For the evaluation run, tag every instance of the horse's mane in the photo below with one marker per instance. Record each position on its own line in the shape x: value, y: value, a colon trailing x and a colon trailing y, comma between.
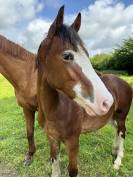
x: 15, y: 50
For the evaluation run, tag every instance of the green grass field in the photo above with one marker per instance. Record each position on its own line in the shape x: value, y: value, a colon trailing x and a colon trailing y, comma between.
x: 95, y: 158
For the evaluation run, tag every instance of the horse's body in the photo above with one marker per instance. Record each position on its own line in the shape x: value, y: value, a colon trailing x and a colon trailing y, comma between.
x: 20, y: 71
x: 17, y: 65
x: 64, y: 119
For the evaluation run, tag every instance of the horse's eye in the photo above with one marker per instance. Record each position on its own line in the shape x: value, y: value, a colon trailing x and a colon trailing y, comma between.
x: 68, y: 56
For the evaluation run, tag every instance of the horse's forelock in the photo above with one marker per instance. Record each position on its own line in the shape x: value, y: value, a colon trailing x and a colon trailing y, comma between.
x: 69, y: 35
x: 65, y: 34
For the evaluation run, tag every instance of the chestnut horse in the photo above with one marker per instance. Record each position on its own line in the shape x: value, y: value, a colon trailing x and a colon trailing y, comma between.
x: 72, y: 97
x: 17, y: 65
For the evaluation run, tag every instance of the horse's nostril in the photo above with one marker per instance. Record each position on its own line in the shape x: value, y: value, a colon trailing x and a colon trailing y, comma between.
x: 105, y: 106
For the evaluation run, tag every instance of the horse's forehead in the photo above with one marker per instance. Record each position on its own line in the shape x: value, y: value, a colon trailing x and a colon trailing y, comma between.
x: 65, y: 43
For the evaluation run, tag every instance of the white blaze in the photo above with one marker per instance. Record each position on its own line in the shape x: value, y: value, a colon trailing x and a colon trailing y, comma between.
x: 100, y: 91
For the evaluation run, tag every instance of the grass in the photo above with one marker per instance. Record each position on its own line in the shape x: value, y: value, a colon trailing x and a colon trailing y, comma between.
x: 95, y: 158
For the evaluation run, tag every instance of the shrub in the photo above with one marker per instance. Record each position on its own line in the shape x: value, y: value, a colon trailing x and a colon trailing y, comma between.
x: 122, y: 58
x: 101, y: 61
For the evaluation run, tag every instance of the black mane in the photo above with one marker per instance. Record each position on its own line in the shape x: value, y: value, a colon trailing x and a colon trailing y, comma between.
x: 66, y: 34
x: 71, y: 36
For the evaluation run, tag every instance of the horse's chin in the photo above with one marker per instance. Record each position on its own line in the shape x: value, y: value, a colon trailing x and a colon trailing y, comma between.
x: 88, y: 109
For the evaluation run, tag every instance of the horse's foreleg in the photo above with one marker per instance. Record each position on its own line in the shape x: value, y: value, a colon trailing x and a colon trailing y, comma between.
x: 30, y: 118
x: 54, y: 154
x: 118, y: 148
x: 73, y: 147
x: 115, y: 144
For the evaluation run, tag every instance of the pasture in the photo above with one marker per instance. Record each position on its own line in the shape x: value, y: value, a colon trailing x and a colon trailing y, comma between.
x: 95, y: 158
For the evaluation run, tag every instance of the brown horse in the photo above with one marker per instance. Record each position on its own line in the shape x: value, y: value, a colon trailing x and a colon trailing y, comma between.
x: 17, y: 65
x: 72, y: 97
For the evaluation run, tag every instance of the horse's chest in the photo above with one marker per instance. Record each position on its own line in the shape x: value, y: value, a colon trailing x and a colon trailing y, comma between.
x: 52, y: 130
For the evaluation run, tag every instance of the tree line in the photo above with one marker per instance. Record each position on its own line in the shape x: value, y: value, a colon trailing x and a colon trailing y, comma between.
x: 120, y: 59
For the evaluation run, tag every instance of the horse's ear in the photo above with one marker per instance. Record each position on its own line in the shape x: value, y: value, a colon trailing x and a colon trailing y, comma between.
x: 77, y: 23
x: 57, y: 22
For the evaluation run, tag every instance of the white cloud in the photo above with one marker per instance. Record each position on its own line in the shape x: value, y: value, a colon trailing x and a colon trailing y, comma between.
x: 104, y: 24
x: 34, y: 34
x: 17, y: 11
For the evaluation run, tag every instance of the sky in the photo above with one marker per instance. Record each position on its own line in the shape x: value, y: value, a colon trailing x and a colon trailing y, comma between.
x: 105, y: 23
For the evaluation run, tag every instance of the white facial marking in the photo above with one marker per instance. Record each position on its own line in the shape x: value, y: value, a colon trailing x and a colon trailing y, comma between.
x: 81, y: 101
x: 99, y: 90
x: 83, y: 61
x: 56, y: 168
x: 77, y: 89
x: 118, y: 150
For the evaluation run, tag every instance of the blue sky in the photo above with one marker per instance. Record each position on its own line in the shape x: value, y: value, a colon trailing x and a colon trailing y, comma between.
x: 105, y: 23
x: 71, y: 6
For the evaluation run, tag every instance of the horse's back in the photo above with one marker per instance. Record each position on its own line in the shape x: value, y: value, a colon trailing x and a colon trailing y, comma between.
x: 121, y: 91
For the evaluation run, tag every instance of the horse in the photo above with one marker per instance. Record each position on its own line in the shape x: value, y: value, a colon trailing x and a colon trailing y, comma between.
x: 17, y: 65
x: 73, y: 98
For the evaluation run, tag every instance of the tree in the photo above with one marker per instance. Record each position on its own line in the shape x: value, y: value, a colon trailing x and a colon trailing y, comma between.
x: 122, y: 58
x: 100, y: 61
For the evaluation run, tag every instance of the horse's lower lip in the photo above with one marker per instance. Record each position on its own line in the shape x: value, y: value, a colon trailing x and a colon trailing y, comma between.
x: 87, y: 108
x: 89, y: 111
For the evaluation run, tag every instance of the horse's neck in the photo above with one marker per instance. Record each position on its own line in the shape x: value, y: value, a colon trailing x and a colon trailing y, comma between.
x: 46, y: 93
x: 16, y: 71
